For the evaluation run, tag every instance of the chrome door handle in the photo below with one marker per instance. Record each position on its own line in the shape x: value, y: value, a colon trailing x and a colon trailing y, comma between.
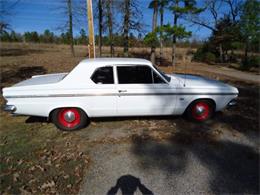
x: 122, y: 91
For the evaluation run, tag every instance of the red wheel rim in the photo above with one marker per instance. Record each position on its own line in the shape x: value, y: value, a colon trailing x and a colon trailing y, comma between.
x: 200, y: 111
x: 72, y: 121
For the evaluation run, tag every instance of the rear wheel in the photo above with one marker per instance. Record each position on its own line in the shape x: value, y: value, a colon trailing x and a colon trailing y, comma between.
x: 200, y: 110
x: 69, y: 119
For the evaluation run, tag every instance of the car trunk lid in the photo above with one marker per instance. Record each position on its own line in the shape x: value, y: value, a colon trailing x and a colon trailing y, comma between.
x: 42, y: 79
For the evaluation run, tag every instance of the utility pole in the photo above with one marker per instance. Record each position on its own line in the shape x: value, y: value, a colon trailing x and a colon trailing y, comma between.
x: 91, y: 35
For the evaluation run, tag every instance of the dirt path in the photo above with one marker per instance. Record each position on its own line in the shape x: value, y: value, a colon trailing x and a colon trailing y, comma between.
x: 223, y: 71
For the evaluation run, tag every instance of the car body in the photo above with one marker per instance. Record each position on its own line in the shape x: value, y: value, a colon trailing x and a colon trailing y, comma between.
x: 110, y: 87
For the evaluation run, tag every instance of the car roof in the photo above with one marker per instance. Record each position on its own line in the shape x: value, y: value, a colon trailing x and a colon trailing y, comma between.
x: 115, y: 61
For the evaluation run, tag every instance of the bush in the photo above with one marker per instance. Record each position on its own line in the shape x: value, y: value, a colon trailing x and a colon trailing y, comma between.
x: 204, y: 56
x: 209, y: 57
x: 252, y: 61
x: 198, y: 56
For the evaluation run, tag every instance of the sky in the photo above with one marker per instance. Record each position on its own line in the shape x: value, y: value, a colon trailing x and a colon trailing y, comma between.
x: 38, y: 15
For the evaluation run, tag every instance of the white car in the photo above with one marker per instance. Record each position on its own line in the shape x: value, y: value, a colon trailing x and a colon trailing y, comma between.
x: 108, y: 87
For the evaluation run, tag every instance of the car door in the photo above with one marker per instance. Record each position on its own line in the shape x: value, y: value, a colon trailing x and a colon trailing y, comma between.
x: 142, y: 91
x: 102, y: 101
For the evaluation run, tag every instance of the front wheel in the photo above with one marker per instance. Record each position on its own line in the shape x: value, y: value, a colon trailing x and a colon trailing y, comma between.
x: 200, y: 110
x: 69, y: 119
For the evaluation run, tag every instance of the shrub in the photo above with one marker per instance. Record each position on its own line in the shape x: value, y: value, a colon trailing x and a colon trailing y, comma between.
x: 252, y: 61
x: 209, y: 57
x: 198, y: 56
x: 204, y: 56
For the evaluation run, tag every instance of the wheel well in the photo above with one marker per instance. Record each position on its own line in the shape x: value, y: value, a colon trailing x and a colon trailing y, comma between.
x: 207, y: 99
x: 51, y: 112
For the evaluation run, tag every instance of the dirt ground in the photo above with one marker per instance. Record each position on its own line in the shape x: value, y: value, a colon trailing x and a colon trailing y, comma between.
x: 37, y: 158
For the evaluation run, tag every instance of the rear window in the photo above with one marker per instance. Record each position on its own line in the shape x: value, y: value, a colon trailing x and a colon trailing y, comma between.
x: 103, y: 75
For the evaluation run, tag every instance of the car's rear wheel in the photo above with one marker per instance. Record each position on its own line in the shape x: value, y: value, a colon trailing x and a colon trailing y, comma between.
x: 69, y: 119
x: 200, y: 110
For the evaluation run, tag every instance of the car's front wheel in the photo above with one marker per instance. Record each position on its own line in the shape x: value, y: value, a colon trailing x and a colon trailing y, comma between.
x: 69, y: 119
x: 200, y: 110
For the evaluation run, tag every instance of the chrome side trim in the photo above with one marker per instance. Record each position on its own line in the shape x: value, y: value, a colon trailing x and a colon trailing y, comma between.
x: 112, y: 94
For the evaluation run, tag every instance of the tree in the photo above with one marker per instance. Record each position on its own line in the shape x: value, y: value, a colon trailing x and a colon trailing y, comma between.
x: 131, y: 20
x: 250, y: 25
x: 109, y: 22
x: 6, y: 11
x: 74, y: 13
x: 65, y: 38
x: 225, y: 35
x: 151, y: 39
x: 70, y: 27
x: 31, y: 37
x: 179, y: 9
x: 162, y: 5
x: 213, y: 8
x: 47, y: 37
x: 100, y: 26
x: 83, y: 39
x: 15, y: 37
x: 153, y: 5
x: 234, y: 6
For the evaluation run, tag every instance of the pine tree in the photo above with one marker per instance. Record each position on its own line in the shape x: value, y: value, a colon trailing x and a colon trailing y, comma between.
x: 179, y: 9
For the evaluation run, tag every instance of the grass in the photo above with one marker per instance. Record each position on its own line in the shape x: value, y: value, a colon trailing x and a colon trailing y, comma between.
x: 38, y: 158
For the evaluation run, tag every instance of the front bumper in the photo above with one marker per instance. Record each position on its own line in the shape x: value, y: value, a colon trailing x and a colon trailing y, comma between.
x: 10, y: 108
x: 232, y: 103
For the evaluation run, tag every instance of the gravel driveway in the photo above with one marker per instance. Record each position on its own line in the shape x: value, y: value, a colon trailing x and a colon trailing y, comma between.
x: 173, y: 156
x: 186, y: 158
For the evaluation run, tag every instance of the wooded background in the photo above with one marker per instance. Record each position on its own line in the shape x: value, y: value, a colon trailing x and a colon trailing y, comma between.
x: 235, y: 30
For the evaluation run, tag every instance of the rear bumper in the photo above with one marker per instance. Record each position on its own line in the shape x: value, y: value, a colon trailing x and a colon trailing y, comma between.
x: 9, y: 108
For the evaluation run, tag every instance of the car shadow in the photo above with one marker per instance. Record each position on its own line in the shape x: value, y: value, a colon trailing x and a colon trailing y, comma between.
x: 128, y: 185
x: 36, y: 119
x: 131, y: 118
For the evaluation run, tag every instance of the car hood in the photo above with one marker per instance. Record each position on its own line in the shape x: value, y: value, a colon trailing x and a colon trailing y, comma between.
x: 194, y: 81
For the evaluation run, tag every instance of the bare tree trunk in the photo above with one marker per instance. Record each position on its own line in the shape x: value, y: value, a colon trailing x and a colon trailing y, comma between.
x: 126, y: 25
x: 174, y: 42
x: 70, y: 28
x: 110, y: 26
x: 161, y: 39
x: 221, y: 53
x: 100, y: 26
x: 154, y: 25
x: 245, y: 63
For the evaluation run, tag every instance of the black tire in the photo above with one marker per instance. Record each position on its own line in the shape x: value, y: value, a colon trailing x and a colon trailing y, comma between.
x: 58, y: 118
x: 200, y: 110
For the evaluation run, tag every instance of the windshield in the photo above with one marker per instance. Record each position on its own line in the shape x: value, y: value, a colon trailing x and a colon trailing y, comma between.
x: 163, y: 74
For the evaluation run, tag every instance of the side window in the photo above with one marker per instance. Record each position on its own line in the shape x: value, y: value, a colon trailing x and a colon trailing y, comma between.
x: 103, y: 75
x: 157, y: 78
x: 134, y: 75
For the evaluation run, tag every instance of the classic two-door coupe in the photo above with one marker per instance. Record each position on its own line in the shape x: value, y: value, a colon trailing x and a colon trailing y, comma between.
x: 108, y: 87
